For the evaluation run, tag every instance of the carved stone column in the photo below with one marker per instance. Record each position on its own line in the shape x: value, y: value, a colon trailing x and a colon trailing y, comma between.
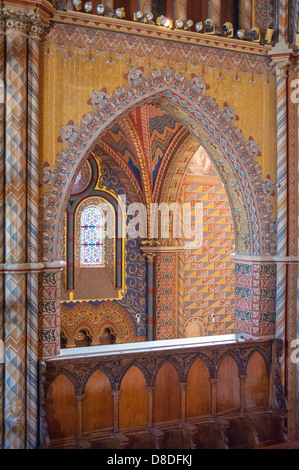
x: 150, y: 295
x: 36, y: 30
x: 213, y: 397
x: 17, y: 26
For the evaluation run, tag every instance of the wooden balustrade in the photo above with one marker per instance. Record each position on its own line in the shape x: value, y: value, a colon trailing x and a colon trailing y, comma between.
x: 210, y: 393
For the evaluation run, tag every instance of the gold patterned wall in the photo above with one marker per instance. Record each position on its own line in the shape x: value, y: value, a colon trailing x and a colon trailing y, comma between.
x: 76, y: 60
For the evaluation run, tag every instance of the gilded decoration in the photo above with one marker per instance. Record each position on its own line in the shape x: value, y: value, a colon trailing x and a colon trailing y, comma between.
x: 96, y: 319
x: 213, y: 127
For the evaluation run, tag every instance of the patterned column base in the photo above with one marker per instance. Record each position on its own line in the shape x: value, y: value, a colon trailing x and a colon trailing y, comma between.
x: 255, y: 297
x: 49, y: 311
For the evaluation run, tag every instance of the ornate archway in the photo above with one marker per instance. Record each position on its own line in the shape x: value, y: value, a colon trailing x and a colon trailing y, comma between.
x: 213, y: 127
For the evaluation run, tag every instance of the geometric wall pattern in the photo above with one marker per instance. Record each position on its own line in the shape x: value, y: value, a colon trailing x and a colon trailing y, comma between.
x: 209, y: 270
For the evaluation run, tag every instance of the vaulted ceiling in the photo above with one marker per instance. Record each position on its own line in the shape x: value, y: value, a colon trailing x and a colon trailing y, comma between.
x: 145, y: 141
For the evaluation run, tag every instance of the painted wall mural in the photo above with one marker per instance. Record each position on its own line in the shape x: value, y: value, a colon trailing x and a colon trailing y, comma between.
x: 133, y: 299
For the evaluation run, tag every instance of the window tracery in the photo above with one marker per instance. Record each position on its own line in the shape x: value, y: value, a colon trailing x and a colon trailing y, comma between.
x: 92, y: 237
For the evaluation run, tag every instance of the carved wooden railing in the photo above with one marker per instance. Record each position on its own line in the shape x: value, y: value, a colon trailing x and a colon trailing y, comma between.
x: 210, y: 395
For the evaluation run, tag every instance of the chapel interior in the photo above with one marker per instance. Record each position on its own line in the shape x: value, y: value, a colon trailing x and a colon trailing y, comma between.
x: 149, y: 224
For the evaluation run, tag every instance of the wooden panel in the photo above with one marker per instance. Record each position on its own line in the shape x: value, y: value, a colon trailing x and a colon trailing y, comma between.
x: 197, y: 11
x: 133, y: 400
x: 257, y: 383
x: 98, y: 403
x: 61, y: 408
x: 167, y: 395
x: 228, y: 386
x: 198, y: 395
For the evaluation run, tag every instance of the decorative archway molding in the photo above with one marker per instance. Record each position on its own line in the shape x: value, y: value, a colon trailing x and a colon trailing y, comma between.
x: 95, y: 318
x: 234, y: 158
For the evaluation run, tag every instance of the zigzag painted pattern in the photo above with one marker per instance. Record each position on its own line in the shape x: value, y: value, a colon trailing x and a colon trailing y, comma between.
x: 32, y: 246
x: 116, y: 139
x: 32, y: 363
x: 15, y: 225
x: 15, y: 361
x: 15, y: 190
x: 209, y: 270
x: 162, y: 128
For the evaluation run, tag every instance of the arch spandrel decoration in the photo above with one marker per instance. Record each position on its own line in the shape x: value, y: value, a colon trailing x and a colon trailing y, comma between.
x: 213, y: 126
x: 96, y: 319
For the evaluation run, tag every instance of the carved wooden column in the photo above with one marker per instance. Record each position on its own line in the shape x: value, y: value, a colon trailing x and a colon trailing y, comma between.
x: 115, y: 410
x: 183, y: 387
x: 213, y: 397
x: 121, y: 438
x: 150, y: 394
x: 80, y: 401
x: 242, y: 392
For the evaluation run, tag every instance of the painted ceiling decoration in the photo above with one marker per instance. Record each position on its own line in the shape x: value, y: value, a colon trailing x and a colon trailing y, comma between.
x: 155, y: 128
x: 117, y: 140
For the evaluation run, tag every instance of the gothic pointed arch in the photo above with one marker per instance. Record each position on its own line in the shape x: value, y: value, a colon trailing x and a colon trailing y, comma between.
x: 214, y: 127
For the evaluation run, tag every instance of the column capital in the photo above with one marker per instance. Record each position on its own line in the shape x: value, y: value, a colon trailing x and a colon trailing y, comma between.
x: 18, y: 20
x: 281, y: 58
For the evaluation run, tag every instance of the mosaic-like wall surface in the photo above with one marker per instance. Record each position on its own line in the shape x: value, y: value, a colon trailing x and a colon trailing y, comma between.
x: 209, y: 270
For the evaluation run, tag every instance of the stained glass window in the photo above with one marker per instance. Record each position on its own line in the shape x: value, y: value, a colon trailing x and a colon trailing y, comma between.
x: 92, y: 243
